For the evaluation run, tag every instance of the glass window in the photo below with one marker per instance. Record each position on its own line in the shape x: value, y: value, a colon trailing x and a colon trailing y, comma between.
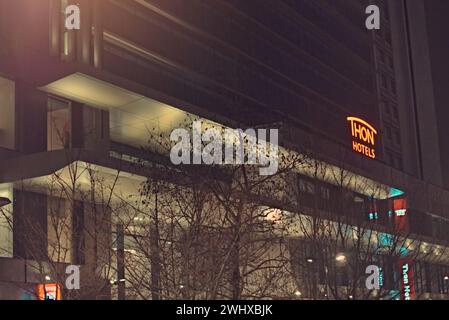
x: 58, y: 124
x: 389, y: 157
x: 384, y: 81
x: 382, y: 56
x: 7, y: 108
x: 388, y: 37
x: 59, y: 226
x: 395, y: 112
x: 388, y: 131
x: 393, y: 86
x: 386, y: 107
x: 399, y: 162
x: 306, y: 186
x: 397, y: 137
x: 386, y: 12
x: 390, y: 62
x: 6, y: 215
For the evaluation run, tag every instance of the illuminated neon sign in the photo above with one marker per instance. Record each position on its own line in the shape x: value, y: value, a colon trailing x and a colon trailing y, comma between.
x: 401, y: 220
x: 407, y: 285
x: 363, y: 135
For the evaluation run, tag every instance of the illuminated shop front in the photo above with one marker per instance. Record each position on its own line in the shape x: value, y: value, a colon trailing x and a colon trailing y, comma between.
x: 49, y: 291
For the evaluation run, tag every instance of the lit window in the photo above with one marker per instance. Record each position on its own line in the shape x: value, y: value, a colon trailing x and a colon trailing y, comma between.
x: 273, y: 215
x: 58, y: 124
x: 7, y: 119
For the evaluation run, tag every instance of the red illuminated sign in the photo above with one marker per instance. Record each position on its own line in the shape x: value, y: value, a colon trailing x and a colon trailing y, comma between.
x: 363, y: 137
x: 48, y: 291
x: 400, y: 215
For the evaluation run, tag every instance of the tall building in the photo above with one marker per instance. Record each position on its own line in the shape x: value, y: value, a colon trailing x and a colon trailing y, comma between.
x: 370, y: 102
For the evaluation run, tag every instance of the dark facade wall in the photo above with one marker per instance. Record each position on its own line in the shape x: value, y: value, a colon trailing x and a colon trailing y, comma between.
x: 257, y: 62
x: 251, y: 60
x: 437, y: 11
x: 31, y: 119
x: 24, y: 32
x: 423, y: 81
x: 406, y: 99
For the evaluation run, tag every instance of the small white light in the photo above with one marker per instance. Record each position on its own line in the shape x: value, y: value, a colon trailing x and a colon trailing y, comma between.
x: 122, y: 280
x: 274, y: 216
x: 181, y: 286
x: 309, y: 260
x: 48, y: 278
x: 350, y: 297
x: 340, y: 257
x: 297, y: 293
x: 446, y: 278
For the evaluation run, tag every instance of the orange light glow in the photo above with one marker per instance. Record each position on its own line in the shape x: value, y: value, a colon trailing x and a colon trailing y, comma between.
x: 48, y: 291
x: 274, y: 216
x: 364, y: 137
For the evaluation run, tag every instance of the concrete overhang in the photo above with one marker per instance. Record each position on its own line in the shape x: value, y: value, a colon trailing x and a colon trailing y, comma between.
x: 43, y: 172
x: 86, y: 89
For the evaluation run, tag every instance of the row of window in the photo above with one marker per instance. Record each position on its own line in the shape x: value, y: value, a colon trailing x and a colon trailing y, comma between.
x: 388, y: 92
x: 392, y: 134
x: 390, y: 109
x: 384, y: 34
x: 431, y: 278
x: 320, y: 264
x: 388, y: 83
x: 385, y: 59
x: 394, y: 159
x: 363, y: 208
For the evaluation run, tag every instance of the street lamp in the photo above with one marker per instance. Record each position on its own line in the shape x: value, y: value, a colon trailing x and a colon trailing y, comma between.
x: 340, y: 258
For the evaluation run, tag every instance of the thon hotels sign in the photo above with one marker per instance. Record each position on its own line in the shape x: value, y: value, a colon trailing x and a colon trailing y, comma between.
x: 363, y: 137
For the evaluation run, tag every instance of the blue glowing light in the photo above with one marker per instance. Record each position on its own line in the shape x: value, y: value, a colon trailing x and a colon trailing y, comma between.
x: 385, y: 240
x: 395, y: 192
x: 403, y: 251
x: 381, y: 277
